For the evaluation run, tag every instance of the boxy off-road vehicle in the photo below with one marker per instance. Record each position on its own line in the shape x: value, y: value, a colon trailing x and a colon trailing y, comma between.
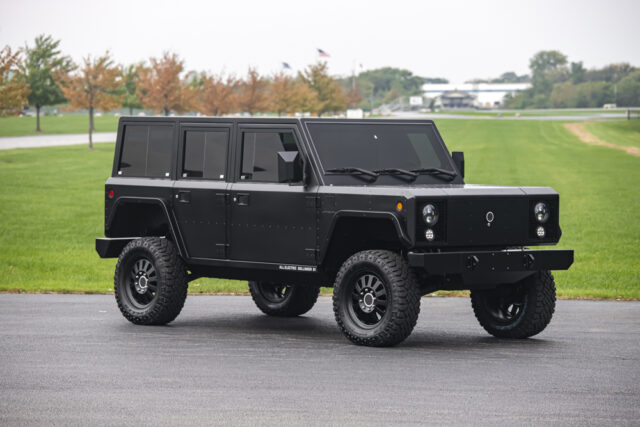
x: 378, y: 209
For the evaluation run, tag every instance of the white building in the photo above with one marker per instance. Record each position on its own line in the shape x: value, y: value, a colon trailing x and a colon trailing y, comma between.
x: 487, y: 95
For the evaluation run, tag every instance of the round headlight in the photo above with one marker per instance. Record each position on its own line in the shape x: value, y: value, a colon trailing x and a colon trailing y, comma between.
x: 541, y: 212
x: 430, y: 214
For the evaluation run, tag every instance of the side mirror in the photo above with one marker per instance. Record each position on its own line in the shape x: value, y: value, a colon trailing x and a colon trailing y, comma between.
x: 458, y: 159
x: 289, y: 168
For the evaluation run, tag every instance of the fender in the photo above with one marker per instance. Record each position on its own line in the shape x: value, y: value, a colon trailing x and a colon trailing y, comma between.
x: 173, y: 229
x: 402, y: 235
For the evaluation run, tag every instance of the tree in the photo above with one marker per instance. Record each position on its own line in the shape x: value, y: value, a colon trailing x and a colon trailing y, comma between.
x: 331, y: 97
x: 353, y: 97
x: 253, y: 93
x: 218, y: 95
x: 42, y: 61
x: 629, y: 90
x: 13, y: 90
x: 161, y: 87
x: 546, y: 68
x: 577, y: 72
x: 94, y: 86
x: 129, y: 87
x: 287, y: 94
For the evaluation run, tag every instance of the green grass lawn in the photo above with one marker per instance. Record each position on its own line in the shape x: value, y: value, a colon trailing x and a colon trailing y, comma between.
x: 51, y: 207
x: 68, y: 123
x: 531, y: 113
x: 626, y: 133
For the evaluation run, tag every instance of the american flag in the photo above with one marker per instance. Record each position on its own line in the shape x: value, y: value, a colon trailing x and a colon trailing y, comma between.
x: 323, y: 54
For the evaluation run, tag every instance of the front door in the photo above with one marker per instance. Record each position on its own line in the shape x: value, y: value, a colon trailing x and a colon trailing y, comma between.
x: 201, y: 189
x: 270, y: 221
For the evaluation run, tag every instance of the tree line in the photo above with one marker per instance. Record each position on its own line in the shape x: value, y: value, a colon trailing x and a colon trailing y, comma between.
x: 558, y: 83
x: 40, y: 75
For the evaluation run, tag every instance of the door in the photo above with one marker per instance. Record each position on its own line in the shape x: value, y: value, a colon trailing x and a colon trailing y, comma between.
x: 200, y: 192
x: 270, y: 221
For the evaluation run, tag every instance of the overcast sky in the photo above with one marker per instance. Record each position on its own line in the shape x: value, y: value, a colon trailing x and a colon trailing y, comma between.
x: 453, y: 39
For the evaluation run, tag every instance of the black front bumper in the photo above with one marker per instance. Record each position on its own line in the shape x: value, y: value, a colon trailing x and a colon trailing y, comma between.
x: 491, y: 262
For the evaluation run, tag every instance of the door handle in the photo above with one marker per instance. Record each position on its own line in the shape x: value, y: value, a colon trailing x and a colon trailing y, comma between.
x: 184, y: 196
x: 241, y: 199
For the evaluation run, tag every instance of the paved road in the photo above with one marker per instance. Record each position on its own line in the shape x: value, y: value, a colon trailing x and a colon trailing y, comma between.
x: 9, y: 142
x: 73, y: 360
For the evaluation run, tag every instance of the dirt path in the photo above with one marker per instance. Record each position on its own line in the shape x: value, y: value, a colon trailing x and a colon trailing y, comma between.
x: 578, y: 129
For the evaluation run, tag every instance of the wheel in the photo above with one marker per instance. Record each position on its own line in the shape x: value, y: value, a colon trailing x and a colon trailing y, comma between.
x: 517, y: 311
x: 283, y: 300
x: 150, y: 281
x: 375, y: 298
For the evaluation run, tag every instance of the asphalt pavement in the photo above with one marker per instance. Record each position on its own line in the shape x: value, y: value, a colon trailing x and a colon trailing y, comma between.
x: 74, y: 360
x: 10, y: 142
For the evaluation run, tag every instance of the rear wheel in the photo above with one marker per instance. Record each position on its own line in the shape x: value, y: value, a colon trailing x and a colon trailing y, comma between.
x: 276, y: 299
x: 517, y: 311
x: 150, y: 281
x: 375, y: 298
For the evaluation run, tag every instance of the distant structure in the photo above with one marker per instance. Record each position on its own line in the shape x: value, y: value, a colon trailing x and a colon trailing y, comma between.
x: 470, y: 95
x: 455, y: 99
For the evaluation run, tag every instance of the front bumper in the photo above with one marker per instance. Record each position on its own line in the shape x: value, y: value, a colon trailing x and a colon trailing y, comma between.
x: 491, y: 262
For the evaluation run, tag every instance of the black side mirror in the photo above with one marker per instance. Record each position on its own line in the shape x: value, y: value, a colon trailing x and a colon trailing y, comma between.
x: 289, y: 168
x: 458, y: 159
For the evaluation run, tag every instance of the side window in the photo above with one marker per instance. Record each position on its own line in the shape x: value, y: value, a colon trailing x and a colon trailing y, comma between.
x: 260, y: 154
x: 205, y: 154
x: 146, y: 151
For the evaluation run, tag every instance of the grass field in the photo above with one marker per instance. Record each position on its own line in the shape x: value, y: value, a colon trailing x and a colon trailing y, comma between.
x: 51, y: 206
x: 68, y: 123
x: 625, y: 133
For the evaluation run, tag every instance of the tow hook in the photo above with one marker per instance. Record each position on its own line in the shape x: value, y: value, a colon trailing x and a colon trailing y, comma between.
x: 472, y: 262
x: 528, y: 261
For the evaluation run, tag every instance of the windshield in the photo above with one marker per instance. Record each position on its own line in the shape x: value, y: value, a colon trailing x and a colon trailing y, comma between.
x: 378, y: 146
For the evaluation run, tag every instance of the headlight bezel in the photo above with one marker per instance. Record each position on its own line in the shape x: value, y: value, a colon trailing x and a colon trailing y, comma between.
x: 432, y: 213
x: 541, y: 212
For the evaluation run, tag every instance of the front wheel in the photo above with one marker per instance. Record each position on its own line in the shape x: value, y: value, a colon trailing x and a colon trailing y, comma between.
x: 517, y: 311
x: 276, y: 299
x: 375, y: 298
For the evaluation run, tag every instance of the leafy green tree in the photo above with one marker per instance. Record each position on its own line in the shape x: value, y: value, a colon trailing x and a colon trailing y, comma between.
x: 129, y: 87
x: 546, y: 67
x: 577, y: 72
x: 629, y: 90
x: 42, y: 61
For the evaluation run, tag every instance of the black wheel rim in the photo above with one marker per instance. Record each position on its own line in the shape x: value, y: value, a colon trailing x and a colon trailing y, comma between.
x: 506, y: 308
x: 274, y: 293
x: 142, y: 283
x: 369, y: 300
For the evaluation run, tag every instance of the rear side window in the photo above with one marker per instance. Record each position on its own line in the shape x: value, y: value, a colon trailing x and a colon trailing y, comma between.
x: 205, y: 154
x: 146, y: 151
x: 260, y: 154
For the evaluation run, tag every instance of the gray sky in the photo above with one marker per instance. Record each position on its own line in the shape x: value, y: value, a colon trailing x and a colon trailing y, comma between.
x: 453, y: 39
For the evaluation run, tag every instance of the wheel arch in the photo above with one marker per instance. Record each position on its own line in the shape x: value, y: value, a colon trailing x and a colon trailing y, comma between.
x: 351, y: 232
x: 143, y: 217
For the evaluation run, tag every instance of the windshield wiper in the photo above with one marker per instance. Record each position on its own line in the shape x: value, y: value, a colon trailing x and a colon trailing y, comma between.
x: 354, y: 171
x: 435, y: 172
x: 398, y: 172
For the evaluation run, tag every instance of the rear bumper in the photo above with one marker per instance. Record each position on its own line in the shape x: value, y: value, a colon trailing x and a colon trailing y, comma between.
x: 491, y: 262
x: 111, y: 247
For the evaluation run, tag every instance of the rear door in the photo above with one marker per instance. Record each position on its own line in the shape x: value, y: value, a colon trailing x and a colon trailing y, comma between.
x: 200, y: 192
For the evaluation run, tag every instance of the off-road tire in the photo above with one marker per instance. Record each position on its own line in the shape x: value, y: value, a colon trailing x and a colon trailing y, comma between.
x: 297, y: 301
x: 402, y: 299
x: 539, y: 292
x: 171, y: 281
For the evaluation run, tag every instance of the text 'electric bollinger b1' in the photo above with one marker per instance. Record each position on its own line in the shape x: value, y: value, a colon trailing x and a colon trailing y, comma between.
x: 376, y: 208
